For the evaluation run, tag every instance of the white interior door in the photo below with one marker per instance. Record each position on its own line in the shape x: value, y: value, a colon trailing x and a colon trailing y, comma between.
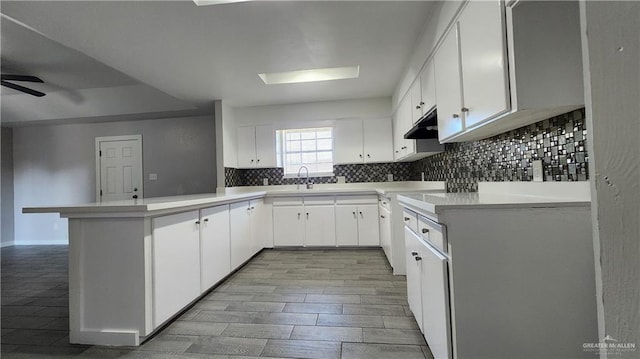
x: 119, y: 167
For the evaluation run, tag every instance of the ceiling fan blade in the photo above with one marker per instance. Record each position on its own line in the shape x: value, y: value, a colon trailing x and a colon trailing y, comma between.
x: 22, y: 88
x: 21, y: 78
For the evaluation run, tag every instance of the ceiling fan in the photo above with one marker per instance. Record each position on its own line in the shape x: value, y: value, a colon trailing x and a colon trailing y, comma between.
x: 21, y: 78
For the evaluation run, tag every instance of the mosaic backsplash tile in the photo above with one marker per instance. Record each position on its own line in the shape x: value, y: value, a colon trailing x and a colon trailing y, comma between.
x: 560, y: 142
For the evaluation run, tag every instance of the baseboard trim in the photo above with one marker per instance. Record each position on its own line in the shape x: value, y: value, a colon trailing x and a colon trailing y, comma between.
x: 40, y: 243
x: 7, y: 244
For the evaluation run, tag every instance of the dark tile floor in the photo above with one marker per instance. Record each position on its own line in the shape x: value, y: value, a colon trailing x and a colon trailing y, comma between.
x: 282, y: 304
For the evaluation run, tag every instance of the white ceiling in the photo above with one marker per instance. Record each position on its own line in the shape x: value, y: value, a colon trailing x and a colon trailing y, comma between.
x: 142, y: 57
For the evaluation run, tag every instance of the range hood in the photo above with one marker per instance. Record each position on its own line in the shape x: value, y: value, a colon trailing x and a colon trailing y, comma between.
x: 425, y: 128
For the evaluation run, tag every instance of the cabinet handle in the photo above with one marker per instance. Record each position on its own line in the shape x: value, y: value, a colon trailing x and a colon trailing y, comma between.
x: 455, y: 115
x: 381, y: 216
x: 197, y: 222
x: 464, y: 109
x: 307, y: 215
x: 421, y: 103
x: 418, y: 258
x: 425, y: 230
x: 206, y: 219
x: 406, y: 219
x: 253, y: 207
x: 414, y: 253
x: 417, y: 107
x: 383, y: 202
x: 397, y: 151
x: 361, y: 215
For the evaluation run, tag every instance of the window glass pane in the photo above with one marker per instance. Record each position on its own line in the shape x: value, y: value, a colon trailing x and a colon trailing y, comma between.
x: 306, y: 135
x: 292, y: 135
x: 293, y: 146
x: 324, y: 134
x: 293, y: 159
x: 324, y: 144
x: 308, y: 158
x: 308, y: 145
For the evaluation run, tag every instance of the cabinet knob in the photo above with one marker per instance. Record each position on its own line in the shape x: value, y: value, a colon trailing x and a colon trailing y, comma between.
x: 381, y: 216
x: 253, y: 207
x: 464, y: 109
x: 368, y: 155
x: 206, y: 219
x: 455, y: 115
x: 425, y: 230
x: 258, y: 160
x: 421, y: 103
x: 360, y: 155
x: 251, y: 161
x: 197, y: 222
x: 417, y: 107
x: 361, y: 215
x: 414, y: 253
x: 406, y: 219
x: 354, y: 214
x: 307, y: 215
x: 418, y: 258
x: 298, y: 215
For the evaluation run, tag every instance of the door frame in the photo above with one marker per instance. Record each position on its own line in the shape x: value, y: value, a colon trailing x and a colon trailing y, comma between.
x: 137, y: 138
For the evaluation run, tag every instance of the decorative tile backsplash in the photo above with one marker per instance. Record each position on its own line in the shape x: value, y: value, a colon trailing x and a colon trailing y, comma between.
x: 373, y: 172
x: 560, y: 142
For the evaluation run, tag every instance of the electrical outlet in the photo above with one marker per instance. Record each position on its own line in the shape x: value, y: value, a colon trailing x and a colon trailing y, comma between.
x: 153, y: 176
x: 341, y: 179
x: 538, y: 174
x: 265, y: 181
x: 389, y: 177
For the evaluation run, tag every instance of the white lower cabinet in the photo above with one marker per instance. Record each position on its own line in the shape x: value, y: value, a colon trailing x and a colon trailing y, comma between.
x: 240, y: 233
x: 288, y: 225
x: 357, y: 221
x: 176, y: 263
x: 320, y: 226
x: 385, y: 232
x: 215, y: 246
x: 298, y: 224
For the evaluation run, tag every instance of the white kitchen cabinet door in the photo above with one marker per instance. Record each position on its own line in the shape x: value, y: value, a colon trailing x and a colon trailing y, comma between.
x: 449, y: 86
x: 405, y: 123
x: 434, y: 282
x: 246, y: 146
x: 398, y: 141
x: 288, y: 226
x: 176, y: 264
x: 368, y: 231
x: 320, y: 226
x: 259, y: 226
x: 428, y: 86
x: 416, y: 101
x: 215, y: 246
x: 348, y: 141
x: 483, y: 61
x: 414, y: 291
x: 265, y: 146
x: 378, y: 140
x: 385, y: 233
x: 347, y: 225
x: 240, y: 229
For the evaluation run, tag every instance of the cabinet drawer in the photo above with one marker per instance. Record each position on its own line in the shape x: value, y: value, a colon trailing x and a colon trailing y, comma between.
x: 319, y: 200
x: 287, y: 201
x: 356, y: 199
x: 410, y: 219
x: 432, y: 232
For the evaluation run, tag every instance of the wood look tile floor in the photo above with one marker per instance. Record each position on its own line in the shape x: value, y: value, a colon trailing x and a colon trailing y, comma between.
x: 334, y: 303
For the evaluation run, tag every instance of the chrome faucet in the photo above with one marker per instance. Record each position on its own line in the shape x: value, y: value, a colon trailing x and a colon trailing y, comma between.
x: 309, y: 185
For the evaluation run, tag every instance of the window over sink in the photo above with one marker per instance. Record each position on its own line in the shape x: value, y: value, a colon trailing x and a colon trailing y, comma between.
x: 308, y: 147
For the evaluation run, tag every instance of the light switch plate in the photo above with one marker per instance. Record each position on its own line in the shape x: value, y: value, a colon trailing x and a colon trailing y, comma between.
x: 538, y: 175
x: 153, y: 176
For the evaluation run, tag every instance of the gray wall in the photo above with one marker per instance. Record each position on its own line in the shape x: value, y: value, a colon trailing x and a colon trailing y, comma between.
x: 56, y: 165
x: 6, y: 195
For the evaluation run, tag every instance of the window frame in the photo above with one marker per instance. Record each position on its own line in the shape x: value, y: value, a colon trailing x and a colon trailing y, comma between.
x: 281, y: 145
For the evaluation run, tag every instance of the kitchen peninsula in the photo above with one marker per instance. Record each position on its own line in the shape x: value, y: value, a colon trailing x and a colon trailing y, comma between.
x: 136, y: 264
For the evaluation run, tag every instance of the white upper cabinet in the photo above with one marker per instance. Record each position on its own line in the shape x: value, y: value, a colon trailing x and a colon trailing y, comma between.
x: 256, y: 146
x: 428, y: 87
x: 502, y: 67
x: 416, y: 101
x: 482, y: 61
x: 449, y: 86
x: 362, y: 141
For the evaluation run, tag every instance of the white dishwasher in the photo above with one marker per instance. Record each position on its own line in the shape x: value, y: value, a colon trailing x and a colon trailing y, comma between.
x: 428, y: 285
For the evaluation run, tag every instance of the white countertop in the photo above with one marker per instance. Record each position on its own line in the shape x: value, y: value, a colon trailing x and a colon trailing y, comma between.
x: 145, y: 206
x: 504, y: 195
